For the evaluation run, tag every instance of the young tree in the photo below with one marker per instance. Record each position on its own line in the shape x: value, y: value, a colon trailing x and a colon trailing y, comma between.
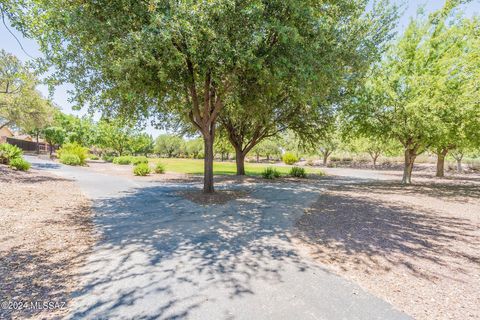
x: 55, y: 137
x: 182, y: 58
x: 141, y: 143
x: 168, y: 145
x: 397, y: 101
x: 114, y: 134
x: 194, y: 148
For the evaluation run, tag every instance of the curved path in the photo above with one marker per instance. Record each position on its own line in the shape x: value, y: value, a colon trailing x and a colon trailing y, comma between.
x: 163, y: 257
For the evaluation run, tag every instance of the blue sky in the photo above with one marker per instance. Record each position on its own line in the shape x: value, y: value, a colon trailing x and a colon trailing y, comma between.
x: 8, y: 43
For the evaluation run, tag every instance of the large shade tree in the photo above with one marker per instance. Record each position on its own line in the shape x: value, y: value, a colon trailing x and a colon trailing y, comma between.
x: 182, y: 59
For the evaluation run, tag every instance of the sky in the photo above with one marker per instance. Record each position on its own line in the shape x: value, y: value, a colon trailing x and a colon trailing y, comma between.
x: 60, y: 97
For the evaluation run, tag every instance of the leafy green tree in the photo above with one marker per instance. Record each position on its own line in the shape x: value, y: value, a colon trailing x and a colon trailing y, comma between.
x: 115, y: 134
x: 55, y: 137
x: 141, y: 143
x: 397, y: 101
x: 186, y: 59
x: 268, y: 148
x: 21, y: 105
x: 168, y: 145
x: 373, y: 147
x: 194, y: 148
x: 223, y: 147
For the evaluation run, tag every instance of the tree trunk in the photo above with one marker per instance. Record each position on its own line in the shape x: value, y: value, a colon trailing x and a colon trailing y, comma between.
x: 258, y: 158
x: 374, y: 158
x: 441, y: 163
x: 208, y: 164
x: 38, y: 145
x: 410, y: 156
x: 240, y: 161
x: 326, y: 154
x: 459, y: 166
x: 221, y: 156
x: 51, y: 150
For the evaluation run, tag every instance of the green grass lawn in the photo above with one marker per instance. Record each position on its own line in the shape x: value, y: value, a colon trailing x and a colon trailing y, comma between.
x: 195, y: 166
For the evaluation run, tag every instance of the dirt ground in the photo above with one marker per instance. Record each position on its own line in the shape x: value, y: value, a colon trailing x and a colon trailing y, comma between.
x: 417, y: 247
x: 45, y: 232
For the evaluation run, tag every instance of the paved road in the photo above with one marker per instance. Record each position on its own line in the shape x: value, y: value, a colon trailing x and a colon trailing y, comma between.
x: 163, y: 257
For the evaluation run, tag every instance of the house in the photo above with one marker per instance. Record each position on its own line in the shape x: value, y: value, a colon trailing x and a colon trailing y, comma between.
x: 23, y: 141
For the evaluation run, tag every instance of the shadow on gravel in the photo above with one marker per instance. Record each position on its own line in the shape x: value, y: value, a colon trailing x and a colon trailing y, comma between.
x: 373, y: 235
x: 170, y: 255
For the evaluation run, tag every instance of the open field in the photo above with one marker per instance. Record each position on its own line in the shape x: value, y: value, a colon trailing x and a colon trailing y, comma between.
x: 195, y: 166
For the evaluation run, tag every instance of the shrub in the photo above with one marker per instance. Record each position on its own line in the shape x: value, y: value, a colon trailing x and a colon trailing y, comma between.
x: 123, y: 160
x: 70, y: 159
x: 159, y: 168
x: 93, y: 157
x: 289, y: 158
x: 138, y: 160
x: 108, y: 157
x: 298, y: 172
x: 20, y: 164
x: 9, y: 152
x: 270, y: 173
x: 73, y: 149
x: 141, y: 169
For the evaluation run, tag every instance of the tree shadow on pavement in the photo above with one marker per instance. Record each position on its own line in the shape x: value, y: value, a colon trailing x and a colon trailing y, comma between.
x: 162, y: 256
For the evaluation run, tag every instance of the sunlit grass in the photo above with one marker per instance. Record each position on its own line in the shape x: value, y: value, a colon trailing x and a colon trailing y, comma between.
x: 195, y: 166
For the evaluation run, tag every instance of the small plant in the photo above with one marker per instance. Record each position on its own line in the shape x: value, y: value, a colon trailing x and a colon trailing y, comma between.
x: 93, y: 157
x: 20, y: 164
x: 270, y: 173
x: 141, y: 169
x: 9, y: 152
x: 73, y: 149
x: 108, y: 157
x: 159, y: 168
x: 122, y: 160
x: 70, y: 159
x: 298, y: 172
x: 289, y: 158
x: 138, y: 160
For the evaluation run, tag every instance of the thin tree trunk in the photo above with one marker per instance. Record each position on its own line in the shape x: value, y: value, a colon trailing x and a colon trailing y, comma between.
x: 375, y: 162
x: 208, y: 164
x: 441, y: 163
x: 459, y: 165
x: 326, y: 154
x: 258, y: 158
x: 410, y: 156
x: 240, y: 161
x: 38, y: 145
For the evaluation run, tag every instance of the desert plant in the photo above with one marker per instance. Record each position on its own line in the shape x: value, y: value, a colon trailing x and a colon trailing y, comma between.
x: 73, y: 149
x: 298, y: 172
x: 270, y: 173
x: 289, y: 158
x: 9, y: 152
x: 20, y: 164
x: 141, y: 169
x: 122, y: 160
x: 159, y: 168
x: 138, y: 160
x: 70, y: 159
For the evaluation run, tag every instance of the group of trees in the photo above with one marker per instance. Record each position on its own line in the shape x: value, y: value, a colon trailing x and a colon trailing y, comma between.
x: 425, y: 93
x: 240, y: 73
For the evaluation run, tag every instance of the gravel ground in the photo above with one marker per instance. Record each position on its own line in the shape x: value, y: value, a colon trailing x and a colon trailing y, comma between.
x: 417, y: 247
x: 45, y: 232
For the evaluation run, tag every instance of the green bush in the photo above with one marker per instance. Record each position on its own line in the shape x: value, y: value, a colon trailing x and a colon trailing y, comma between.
x: 9, y: 152
x: 73, y: 149
x: 123, y: 160
x: 159, y: 168
x: 270, y: 173
x: 298, y: 172
x: 141, y: 169
x: 20, y: 164
x: 138, y: 160
x: 289, y: 158
x: 108, y: 157
x: 93, y: 157
x: 70, y: 159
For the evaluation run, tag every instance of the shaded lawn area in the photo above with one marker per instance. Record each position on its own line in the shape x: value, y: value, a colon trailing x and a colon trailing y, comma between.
x: 195, y: 166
